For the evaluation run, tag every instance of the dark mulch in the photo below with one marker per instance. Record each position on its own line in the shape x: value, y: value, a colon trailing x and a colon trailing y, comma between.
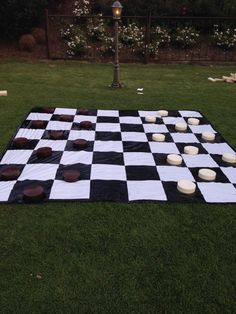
x: 10, y: 49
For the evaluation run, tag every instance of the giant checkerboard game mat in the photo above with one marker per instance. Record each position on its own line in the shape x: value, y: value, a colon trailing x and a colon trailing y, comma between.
x: 121, y: 163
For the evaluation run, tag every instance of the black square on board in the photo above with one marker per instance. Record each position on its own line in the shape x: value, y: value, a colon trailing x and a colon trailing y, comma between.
x: 136, y: 147
x: 220, y: 176
x: 109, y: 158
x: 198, y: 145
x: 218, y: 159
x: 85, y: 171
x: 53, y: 159
x: 218, y: 139
x: 101, y: 119
x: 140, y: 173
x: 171, y: 129
x: 168, y: 137
x: 173, y: 195
x: 30, y: 145
x: 17, y: 191
x: 46, y: 135
x: 107, y: 136
x: 108, y: 190
x: 91, y: 112
x: 131, y: 127
x: 70, y: 147
x: 128, y: 113
x: 158, y: 121
x: 161, y: 160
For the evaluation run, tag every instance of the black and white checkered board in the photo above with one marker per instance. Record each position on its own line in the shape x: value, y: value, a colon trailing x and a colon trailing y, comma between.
x: 121, y: 163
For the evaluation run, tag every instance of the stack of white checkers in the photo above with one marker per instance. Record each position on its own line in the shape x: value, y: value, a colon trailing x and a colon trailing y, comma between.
x: 117, y: 155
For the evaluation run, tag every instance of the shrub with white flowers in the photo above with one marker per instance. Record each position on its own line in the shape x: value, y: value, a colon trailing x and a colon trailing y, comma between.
x: 96, y: 29
x: 107, y: 47
x: 224, y: 38
x: 76, y: 42
x: 152, y: 48
x: 81, y: 7
x: 185, y: 37
x: 131, y: 35
x: 66, y: 32
x: 161, y: 35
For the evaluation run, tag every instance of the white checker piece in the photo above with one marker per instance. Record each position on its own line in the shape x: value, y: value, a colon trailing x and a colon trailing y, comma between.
x: 218, y: 148
x: 133, y: 137
x: 39, y: 116
x: 58, y: 145
x: 30, y: 134
x: 173, y: 120
x: 214, y: 192
x: 108, y: 172
x: 68, y: 111
x: 5, y: 189
x: 64, y: 190
x: 108, y: 113
x: 198, y: 129
x: 164, y: 148
x: 87, y: 135
x: 190, y: 114
x: 146, y: 190
x: 108, y: 127
x: 174, y: 173
x: 230, y: 173
x: 184, y: 138
x: 69, y: 158
x: 81, y: 118
x: 131, y: 120
x: 201, y: 160
x: 59, y: 126
x: 155, y: 128
x: 139, y: 159
x: 16, y: 156
x: 39, y: 171
x: 108, y: 146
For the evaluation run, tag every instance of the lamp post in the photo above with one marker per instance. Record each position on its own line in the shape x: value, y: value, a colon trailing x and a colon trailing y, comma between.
x: 116, y: 10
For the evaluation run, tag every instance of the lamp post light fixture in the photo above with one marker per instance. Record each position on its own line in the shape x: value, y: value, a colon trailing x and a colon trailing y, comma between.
x: 116, y: 10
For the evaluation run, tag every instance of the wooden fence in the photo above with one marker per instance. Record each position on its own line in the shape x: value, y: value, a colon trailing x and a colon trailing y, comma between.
x: 201, y: 52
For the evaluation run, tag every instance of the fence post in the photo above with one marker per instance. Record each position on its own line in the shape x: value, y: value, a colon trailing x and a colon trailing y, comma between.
x: 47, y: 34
x: 147, y: 37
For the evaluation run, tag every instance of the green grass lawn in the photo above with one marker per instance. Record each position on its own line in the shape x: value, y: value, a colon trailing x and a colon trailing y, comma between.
x: 71, y: 257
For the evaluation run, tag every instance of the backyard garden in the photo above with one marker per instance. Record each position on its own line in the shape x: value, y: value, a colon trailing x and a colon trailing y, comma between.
x: 81, y: 256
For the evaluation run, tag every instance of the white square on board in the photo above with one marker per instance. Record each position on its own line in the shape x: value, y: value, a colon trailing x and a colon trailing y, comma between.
x: 146, y: 190
x: 138, y: 159
x: 215, y: 192
x: 108, y: 172
x: 70, y: 190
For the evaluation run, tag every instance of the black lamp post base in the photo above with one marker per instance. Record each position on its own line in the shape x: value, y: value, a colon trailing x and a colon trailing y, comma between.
x: 117, y: 85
